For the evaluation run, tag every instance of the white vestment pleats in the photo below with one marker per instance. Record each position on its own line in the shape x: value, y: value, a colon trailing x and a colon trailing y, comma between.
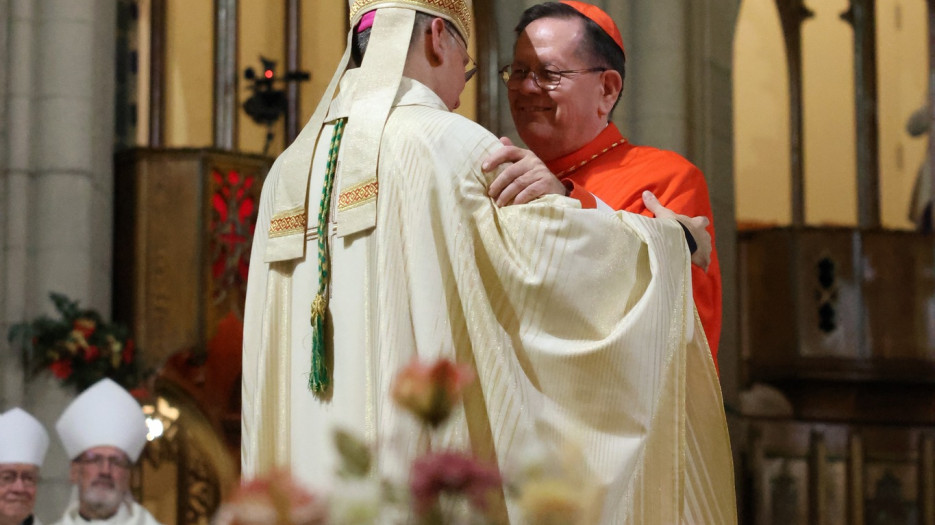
x: 579, y: 325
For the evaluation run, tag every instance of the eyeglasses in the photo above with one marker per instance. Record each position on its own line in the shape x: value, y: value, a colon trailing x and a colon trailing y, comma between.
x: 546, y: 77
x: 469, y: 74
x: 99, y: 461
x: 9, y: 477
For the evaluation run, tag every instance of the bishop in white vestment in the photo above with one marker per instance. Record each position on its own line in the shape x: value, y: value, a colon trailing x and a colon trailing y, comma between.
x: 103, y: 431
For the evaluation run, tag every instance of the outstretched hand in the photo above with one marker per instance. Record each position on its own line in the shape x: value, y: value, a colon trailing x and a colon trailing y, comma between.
x: 697, y: 227
x: 526, y: 180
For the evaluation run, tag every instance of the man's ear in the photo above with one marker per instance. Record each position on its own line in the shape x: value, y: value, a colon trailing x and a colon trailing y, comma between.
x: 73, y: 472
x: 437, y: 44
x: 611, y: 84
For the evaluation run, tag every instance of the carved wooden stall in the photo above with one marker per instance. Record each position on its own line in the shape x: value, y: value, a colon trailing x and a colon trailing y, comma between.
x: 839, y: 474
x: 184, y: 223
x: 841, y: 321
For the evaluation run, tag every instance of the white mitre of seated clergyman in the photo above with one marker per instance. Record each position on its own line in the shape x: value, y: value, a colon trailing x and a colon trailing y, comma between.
x: 23, y: 439
x: 103, y: 415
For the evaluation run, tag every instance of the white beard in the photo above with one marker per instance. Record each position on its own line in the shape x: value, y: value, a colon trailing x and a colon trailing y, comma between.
x: 104, y: 500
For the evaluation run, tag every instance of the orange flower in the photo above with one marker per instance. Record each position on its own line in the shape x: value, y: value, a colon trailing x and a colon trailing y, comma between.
x: 68, y: 346
x: 276, y: 498
x: 430, y: 391
x: 76, y: 341
x: 84, y: 326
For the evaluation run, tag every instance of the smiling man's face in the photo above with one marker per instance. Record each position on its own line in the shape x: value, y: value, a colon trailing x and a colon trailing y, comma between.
x: 17, y: 491
x: 103, y: 478
x: 558, y: 122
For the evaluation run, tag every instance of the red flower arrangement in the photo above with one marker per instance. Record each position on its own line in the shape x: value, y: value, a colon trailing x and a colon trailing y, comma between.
x: 79, y: 348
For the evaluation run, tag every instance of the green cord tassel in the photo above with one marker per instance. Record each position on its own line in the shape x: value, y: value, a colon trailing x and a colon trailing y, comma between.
x: 319, y: 379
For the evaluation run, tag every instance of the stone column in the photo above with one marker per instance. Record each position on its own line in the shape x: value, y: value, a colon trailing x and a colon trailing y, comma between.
x: 711, y: 146
x: 709, y: 123
x: 656, y: 96
x: 73, y: 150
x: 57, y: 180
x: 18, y: 101
x: 6, y: 360
x: 505, y: 18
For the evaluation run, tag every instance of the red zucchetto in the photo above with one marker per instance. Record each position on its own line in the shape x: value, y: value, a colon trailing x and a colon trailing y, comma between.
x: 599, y: 17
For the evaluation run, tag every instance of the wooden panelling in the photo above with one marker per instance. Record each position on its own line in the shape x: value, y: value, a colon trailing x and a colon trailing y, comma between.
x: 899, y: 293
x: 837, y: 304
x: 842, y: 322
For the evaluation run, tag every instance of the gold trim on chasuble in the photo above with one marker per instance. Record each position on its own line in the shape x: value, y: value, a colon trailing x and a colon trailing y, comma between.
x: 358, y: 195
x: 287, y: 223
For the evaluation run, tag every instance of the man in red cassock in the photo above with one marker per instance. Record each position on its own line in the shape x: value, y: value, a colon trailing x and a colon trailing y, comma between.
x: 565, y: 79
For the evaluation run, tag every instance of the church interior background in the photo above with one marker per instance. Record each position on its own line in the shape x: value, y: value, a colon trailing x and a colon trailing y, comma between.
x: 130, y: 173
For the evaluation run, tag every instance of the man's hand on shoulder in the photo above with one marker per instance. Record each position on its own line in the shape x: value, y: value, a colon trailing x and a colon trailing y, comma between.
x: 526, y: 180
x: 695, y: 226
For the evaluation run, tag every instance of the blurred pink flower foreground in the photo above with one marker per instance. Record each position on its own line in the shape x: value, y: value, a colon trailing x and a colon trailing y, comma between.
x: 430, y: 391
x: 451, y: 473
x: 273, y: 499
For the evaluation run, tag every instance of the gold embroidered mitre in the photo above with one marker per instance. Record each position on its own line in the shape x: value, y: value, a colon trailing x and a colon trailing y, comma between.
x: 370, y: 101
x: 458, y: 12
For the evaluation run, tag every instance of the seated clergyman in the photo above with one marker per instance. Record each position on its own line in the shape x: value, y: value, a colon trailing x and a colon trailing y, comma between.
x: 104, y: 432
x: 23, y: 444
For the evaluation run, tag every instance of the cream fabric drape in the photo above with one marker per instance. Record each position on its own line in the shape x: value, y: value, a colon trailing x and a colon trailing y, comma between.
x: 579, y: 324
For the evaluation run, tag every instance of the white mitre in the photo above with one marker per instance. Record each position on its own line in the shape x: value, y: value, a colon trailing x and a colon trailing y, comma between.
x: 103, y: 415
x: 23, y: 439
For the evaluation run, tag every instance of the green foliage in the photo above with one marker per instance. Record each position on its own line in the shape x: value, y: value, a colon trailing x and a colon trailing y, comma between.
x: 356, y: 458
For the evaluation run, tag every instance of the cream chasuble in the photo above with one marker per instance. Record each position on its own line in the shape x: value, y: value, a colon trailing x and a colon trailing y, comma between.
x: 579, y: 323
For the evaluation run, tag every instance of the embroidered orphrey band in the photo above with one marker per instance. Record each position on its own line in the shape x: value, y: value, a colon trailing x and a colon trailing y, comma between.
x: 287, y: 223
x: 358, y: 195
